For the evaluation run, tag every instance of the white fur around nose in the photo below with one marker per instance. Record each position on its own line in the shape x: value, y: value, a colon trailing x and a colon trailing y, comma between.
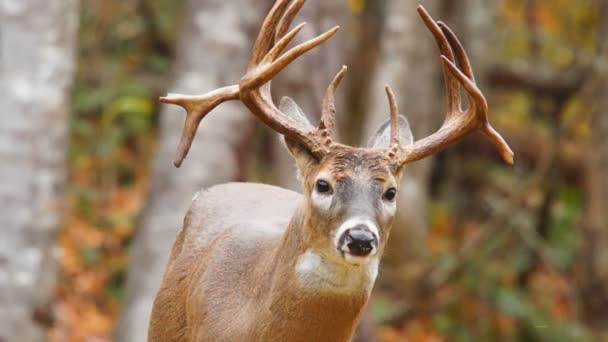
x: 315, y: 272
x: 352, y: 223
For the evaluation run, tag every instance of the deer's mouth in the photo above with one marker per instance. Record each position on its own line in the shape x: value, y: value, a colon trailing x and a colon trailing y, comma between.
x: 358, y: 260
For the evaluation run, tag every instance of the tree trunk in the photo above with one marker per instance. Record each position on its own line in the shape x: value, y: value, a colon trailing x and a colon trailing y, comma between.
x: 409, y: 63
x: 474, y: 21
x: 36, y: 71
x: 594, y: 251
x: 213, y: 52
x: 593, y: 258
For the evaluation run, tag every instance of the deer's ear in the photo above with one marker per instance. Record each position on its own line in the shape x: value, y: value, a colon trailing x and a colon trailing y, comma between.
x: 304, y: 158
x: 290, y: 108
x: 382, y: 138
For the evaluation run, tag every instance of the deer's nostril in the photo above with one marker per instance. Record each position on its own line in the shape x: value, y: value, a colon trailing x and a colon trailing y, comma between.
x: 360, y: 241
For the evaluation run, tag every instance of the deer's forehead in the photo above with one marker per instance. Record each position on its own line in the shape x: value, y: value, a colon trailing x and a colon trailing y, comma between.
x: 357, y: 164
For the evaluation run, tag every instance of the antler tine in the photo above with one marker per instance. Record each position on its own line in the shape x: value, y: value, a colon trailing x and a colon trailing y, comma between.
x: 461, y: 54
x: 255, y: 85
x: 197, y: 107
x: 440, y: 39
x: 458, y: 123
x: 282, y: 43
x: 269, y: 71
x: 479, y: 107
x: 288, y: 18
x: 392, y: 101
x: 265, y: 38
x: 469, y: 85
x: 328, y: 113
x: 276, y: 65
x: 499, y: 142
x: 452, y: 87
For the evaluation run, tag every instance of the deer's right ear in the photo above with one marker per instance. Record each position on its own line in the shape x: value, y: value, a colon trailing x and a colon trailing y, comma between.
x: 301, y: 154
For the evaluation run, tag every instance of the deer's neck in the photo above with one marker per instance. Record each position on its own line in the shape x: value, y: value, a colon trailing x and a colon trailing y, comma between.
x: 312, y: 294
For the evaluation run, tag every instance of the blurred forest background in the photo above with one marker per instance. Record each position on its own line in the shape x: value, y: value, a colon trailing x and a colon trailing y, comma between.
x: 91, y: 202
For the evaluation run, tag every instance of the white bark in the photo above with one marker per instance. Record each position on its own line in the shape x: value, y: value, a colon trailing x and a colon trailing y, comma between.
x: 213, y: 52
x: 409, y: 62
x: 36, y: 71
x: 307, y: 78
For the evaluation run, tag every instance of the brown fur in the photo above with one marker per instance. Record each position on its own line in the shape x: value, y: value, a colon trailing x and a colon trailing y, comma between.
x: 345, y: 162
x: 231, y: 275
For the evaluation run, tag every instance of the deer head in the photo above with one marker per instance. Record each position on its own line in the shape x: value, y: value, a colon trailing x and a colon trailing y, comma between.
x: 349, y: 192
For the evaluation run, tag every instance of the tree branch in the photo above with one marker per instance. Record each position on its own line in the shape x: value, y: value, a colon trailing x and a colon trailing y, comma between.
x: 555, y: 85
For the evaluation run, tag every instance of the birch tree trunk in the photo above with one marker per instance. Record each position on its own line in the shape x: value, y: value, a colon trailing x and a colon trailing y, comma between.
x: 213, y: 52
x: 409, y: 63
x: 36, y: 71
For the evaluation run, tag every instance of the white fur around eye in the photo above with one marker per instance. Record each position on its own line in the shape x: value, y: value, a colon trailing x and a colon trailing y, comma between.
x: 321, y: 202
x: 389, y: 208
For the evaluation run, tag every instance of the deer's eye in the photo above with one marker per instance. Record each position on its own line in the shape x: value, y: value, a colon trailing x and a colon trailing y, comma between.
x: 323, y: 186
x: 390, y: 194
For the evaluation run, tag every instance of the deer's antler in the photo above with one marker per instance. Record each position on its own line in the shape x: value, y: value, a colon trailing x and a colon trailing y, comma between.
x: 267, y: 62
x: 458, y: 122
x: 254, y: 88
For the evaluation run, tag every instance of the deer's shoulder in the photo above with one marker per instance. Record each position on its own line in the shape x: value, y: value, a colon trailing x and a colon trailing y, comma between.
x: 242, y: 208
x: 233, y: 202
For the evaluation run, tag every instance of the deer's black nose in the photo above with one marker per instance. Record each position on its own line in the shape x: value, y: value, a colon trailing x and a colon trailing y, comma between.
x: 360, y: 241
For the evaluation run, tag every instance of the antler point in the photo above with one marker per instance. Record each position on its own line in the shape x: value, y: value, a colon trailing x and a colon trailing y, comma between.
x: 509, y: 157
x: 422, y: 12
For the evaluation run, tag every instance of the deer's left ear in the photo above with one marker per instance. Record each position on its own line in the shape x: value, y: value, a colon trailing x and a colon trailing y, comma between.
x: 382, y: 138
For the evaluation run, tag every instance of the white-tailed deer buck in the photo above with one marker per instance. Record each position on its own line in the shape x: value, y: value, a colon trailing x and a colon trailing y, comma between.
x: 259, y: 263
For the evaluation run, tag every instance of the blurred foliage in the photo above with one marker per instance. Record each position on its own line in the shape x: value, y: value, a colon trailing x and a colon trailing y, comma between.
x: 502, y: 243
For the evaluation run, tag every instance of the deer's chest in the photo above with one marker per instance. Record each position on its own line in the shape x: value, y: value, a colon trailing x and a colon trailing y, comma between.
x: 316, y: 273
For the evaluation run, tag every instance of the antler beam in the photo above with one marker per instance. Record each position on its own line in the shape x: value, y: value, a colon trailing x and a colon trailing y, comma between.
x: 458, y: 122
x: 254, y: 87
